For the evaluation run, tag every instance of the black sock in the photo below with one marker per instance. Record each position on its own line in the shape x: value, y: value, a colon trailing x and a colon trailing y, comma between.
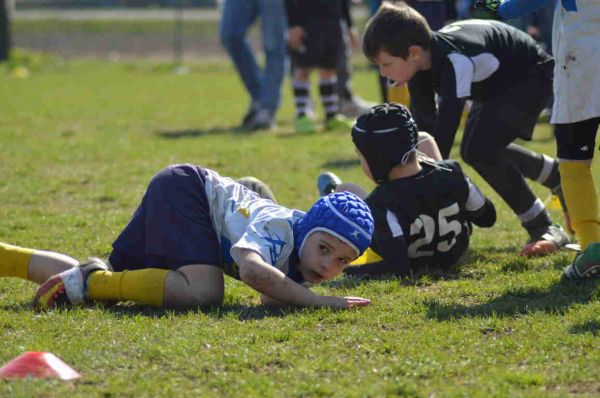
x: 535, y: 166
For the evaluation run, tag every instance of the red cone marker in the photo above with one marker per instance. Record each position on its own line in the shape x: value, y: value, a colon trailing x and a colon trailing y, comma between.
x: 37, y: 365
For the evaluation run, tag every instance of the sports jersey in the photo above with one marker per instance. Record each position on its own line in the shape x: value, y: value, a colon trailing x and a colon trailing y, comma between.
x: 425, y: 219
x: 242, y: 220
x: 576, y: 46
x: 474, y: 59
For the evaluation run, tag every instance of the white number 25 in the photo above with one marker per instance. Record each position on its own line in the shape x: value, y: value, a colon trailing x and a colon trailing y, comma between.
x: 448, y: 230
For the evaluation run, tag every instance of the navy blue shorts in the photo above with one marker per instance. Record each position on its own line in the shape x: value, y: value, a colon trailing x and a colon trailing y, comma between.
x: 171, y: 227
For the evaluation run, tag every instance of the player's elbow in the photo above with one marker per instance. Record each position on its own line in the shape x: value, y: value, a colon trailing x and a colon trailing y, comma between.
x: 487, y: 218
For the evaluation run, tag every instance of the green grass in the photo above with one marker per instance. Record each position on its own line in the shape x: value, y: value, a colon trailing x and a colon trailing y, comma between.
x: 100, y: 26
x: 79, y: 143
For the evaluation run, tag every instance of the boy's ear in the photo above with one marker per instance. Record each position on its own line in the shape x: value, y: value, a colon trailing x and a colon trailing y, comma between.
x: 415, y: 52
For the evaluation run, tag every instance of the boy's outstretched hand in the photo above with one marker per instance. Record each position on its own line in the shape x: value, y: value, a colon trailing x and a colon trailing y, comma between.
x: 342, y: 302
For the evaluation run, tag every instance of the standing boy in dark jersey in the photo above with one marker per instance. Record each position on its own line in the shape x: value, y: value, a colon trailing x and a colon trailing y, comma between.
x: 509, y: 78
x: 315, y: 41
x: 423, y: 208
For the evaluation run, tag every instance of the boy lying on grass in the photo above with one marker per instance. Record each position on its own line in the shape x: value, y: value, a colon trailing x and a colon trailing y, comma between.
x: 192, y: 227
x: 423, y: 206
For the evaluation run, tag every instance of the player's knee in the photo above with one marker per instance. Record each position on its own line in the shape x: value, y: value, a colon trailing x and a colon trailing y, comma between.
x: 211, y: 297
x: 473, y: 156
x: 274, y: 49
x: 230, y: 40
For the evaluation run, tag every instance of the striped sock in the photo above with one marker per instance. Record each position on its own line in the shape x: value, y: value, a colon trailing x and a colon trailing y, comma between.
x: 329, y: 97
x: 301, y: 97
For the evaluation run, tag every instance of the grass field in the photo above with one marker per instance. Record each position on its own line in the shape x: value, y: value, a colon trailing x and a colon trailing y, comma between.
x: 80, y: 141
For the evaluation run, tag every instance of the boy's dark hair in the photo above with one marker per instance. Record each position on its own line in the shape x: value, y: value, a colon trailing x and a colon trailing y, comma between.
x: 393, y: 29
x: 386, y: 136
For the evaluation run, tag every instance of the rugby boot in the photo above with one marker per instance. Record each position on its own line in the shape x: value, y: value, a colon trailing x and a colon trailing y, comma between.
x: 68, y: 287
x: 546, y: 240
x: 586, y: 264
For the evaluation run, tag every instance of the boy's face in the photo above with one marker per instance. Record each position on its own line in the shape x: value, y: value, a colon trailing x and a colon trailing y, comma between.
x: 324, y: 257
x: 399, y: 69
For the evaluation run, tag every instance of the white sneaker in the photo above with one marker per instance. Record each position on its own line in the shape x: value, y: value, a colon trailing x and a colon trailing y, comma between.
x: 355, y: 106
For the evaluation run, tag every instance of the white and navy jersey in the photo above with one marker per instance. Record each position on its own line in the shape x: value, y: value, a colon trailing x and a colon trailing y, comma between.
x: 243, y: 220
x: 472, y: 59
x: 425, y: 219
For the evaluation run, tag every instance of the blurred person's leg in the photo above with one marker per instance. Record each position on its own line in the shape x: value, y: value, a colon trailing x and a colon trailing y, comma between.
x: 273, y: 25
x: 329, y: 97
x: 344, y: 68
x: 236, y: 18
x: 304, y: 113
x: 351, y: 105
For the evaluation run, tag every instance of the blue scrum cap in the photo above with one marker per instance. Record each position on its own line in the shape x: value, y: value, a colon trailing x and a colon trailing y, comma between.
x: 385, y: 136
x: 341, y: 214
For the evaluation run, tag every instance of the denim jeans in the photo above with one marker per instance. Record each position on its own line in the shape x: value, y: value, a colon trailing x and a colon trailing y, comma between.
x: 264, y: 86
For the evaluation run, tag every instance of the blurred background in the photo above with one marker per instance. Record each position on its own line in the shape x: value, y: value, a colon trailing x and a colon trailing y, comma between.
x: 123, y: 29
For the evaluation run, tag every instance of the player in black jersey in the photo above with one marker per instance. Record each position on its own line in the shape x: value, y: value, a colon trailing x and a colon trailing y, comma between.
x: 315, y: 41
x: 509, y: 78
x: 423, y: 208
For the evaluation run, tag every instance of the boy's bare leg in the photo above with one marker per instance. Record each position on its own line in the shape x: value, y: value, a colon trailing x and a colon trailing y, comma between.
x: 194, y: 285
x: 325, y: 74
x: 43, y: 265
x: 31, y: 264
x: 189, y: 286
x: 302, y: 74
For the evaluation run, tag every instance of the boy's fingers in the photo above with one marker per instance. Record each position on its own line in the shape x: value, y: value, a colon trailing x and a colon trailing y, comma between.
x: 357, y: 301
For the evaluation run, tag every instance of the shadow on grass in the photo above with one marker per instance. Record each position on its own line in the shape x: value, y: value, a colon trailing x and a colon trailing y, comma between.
x: 241, y: 312
x: 592, y: 327
x: 556, y: 299
x: 129, y: 309
x: 424, y: 275
x: 341, y: 163
x: 17, y: 307
x: 191, y: 133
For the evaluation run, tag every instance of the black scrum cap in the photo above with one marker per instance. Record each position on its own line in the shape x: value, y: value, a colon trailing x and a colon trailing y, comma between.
x: 385, y: 136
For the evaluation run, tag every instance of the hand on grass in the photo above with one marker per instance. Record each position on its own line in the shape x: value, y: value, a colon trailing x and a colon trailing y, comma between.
x: 342, y: 302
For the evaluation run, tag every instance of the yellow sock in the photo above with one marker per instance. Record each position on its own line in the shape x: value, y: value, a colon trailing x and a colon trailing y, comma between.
x: 14, y: 261
x: 146, y: 286
x: 580, y: 195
